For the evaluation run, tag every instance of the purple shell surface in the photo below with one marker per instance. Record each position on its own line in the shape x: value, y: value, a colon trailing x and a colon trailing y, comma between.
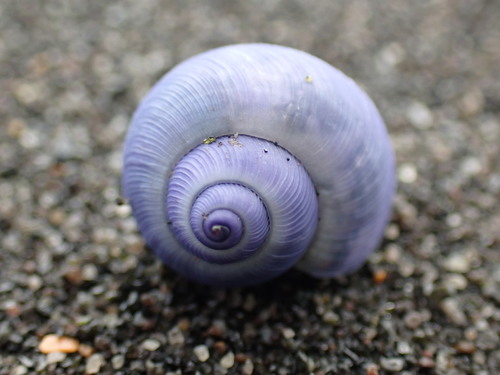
x: 309, y: 178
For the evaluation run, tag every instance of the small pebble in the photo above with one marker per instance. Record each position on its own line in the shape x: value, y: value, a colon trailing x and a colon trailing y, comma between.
x: 175, y: 336
x: 392, y: 253
x: 457, y: 262
x: 184, y: 324
x: 74, y: 275
x: 391, y: 232
x: 392, y: 54
x: 118, y: 361
x: 228, y: 360
x: 426, y: 362
x: 288, y: 333
x: 94, y: 363
x: 379, y: 276
x: 406, y: 268
x: 470, y: 333
x: 331, y: 318
x: 442, y: 360
x: 471, y: 167
x: 413, y: 319
x: 201, y: 352
x: 220, y: 347
x: 218, y: 328
x: 454, y: 220
x: 34, y: 282
x: 372, y: 369
x: 308, y: 361
x: 20, y: 370
x: 12, y: 308
x: 151, y: 345
x: 480, y: 358
x: 55, y: 357
x: 465, y: 347
x: 407, y: 173
x: 53, y: 343
x: 392, y: 364
x: 404, y: 348
x: 455, y: 281
x: 28, y: 362
x: 472, y: 102
x: 123, y: 211
x: 419, y: 115
x: 247, y: 368
x: 85, y: 350
x: 240, y: 357
x: 451, y: 308
x: 89, y: 272
x: 16, y: 127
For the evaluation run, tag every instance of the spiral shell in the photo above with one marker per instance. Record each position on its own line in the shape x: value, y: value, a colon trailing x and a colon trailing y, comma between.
x: 247, y: 159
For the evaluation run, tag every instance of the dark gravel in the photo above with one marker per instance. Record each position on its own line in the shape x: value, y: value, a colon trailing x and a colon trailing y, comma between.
x: 73, y: 264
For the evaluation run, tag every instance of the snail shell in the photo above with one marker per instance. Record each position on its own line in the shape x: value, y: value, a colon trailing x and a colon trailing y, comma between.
x: 247, y: 159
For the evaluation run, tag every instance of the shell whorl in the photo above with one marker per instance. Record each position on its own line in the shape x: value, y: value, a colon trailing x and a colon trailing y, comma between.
x: 248, y: 186
x: 269, y: 94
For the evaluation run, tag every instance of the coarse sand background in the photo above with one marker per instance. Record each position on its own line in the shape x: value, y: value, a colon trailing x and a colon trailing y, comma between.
x: 73, y: 265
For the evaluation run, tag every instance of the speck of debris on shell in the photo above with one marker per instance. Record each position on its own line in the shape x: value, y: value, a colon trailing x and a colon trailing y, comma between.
x: 209, y: 140
x: 233, y: 141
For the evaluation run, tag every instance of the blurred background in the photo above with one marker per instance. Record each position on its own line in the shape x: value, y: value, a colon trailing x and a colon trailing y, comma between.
x: 73, y: 264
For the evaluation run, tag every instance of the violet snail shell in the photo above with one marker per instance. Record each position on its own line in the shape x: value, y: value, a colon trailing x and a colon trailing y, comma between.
x: 248, y: 159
